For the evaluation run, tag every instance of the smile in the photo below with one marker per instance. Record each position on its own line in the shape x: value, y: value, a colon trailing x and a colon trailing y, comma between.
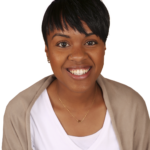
x: 79, y: 73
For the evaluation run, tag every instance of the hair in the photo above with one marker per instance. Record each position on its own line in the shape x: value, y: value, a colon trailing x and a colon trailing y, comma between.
x: 93, y: 12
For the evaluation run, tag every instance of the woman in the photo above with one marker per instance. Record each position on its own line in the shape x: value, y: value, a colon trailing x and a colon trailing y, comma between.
x: 76, y: 108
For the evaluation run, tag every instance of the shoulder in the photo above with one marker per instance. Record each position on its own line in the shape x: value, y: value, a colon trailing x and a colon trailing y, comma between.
x: 20, y: 103
x: 124, y: 97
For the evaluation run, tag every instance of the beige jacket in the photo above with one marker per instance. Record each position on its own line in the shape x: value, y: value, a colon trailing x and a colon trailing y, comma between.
x: 127, y: 109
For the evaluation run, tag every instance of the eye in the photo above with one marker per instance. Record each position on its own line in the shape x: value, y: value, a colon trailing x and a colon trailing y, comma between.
x: 63, y: 44
x: 91, y: 42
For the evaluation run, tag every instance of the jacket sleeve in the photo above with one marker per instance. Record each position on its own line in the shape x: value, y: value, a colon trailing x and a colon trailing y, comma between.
x: 10, y: 139
x: 142, y: 127
x: 5, y: 145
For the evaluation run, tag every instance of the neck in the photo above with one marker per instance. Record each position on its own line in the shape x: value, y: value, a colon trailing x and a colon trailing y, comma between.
x: 76, y: 101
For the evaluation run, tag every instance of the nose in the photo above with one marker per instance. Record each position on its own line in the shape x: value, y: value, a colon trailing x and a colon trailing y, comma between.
x: 78, y: 55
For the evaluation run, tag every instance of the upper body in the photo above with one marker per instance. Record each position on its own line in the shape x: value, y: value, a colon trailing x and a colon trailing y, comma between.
x: 127, y: 109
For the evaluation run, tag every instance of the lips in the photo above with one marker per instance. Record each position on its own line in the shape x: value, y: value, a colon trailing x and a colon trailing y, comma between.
x: 79, y: 77
x: 78, y: 67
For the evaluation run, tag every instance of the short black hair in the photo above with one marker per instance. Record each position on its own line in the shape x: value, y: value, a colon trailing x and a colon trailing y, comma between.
x: 93, y: 12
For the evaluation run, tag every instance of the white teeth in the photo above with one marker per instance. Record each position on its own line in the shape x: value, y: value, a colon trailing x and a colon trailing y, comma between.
x: 79, y: 71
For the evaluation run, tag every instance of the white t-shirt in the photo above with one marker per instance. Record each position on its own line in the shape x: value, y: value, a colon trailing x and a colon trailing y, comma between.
x: 47, y: 132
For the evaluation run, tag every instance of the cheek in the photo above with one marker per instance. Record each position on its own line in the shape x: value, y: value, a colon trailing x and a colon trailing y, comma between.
x: 98, y: 59
x: 99, y: 62
x: 57, y: 60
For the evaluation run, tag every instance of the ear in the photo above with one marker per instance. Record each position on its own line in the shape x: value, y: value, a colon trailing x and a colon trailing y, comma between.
x: 104, y: 49
x: 46, y: 50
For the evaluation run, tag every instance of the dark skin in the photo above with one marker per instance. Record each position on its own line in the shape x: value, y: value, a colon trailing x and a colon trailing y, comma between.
x: 77, y: 95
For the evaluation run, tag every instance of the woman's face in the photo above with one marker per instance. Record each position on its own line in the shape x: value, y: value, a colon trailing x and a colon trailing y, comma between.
x: 71, y: 51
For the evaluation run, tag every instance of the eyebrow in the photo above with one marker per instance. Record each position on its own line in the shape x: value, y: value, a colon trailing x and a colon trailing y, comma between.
x: 67, y: 36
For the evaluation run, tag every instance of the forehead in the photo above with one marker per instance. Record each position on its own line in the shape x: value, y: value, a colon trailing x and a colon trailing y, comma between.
x: 70, y: 29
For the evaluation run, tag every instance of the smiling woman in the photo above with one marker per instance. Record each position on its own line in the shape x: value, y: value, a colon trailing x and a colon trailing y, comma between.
x: 76, y: 107
x: 76, y: 55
